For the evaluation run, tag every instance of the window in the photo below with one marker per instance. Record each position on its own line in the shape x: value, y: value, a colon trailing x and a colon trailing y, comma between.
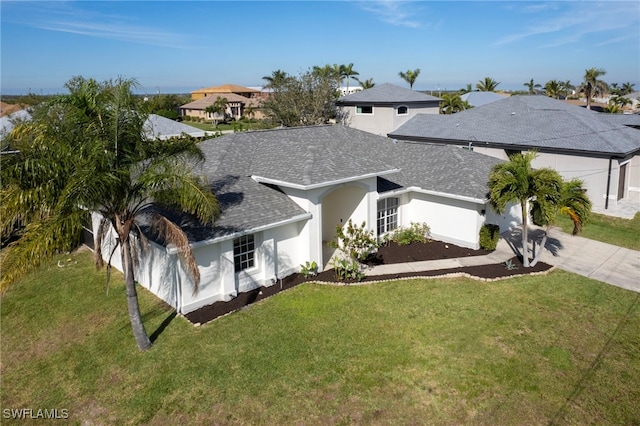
x: 403, y: 110
x: 387, y: 215
x: 364, y: 109
x: 244, y: 252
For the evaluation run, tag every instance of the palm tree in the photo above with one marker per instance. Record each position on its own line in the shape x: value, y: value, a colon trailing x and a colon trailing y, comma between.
x: 552, y: 89
x: 276, y: 78
x: 219, y: 108
x: 566, y: 87
x: 515, y: 181
x: 410, y: 76
x: 452, y: 103
x: 592, y: 85
x: 347, y: 71
x: 627, y: 88
x: 467, y: 89
x: 532, y: 87
x: 487, y: 85
x: 92, y: 142
x: 367, y: 84
x: 571, y: 200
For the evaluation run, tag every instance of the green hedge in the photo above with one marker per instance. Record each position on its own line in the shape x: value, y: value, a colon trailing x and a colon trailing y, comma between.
x: 489, y: 236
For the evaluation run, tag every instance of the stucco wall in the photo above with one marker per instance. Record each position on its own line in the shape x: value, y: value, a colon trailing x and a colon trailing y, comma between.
x: 450, y: 220
x: 384, y: 118
x: 592, y: 171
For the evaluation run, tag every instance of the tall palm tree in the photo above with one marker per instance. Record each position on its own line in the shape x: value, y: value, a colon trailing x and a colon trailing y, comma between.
x: 487, y: 85
x: 592, y: 85
x: 366, y: 84
x: 552, y: 88
x: 452, y: 103
x: 347, y: 71
x: 571, y: 200
x: 627, y: 88
x: 102, y: 162
x: 532, y: 86
x: 276, y: 78
x: 515, y: 181
x: 410, y: 76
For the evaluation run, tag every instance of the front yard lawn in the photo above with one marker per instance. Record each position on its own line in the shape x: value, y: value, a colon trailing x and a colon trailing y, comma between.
x: 553, y: 349
x: 608, y: 229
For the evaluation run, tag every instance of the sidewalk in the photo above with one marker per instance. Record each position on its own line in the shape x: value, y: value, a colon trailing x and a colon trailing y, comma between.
x: 502, y: 253
x: 593, y: 259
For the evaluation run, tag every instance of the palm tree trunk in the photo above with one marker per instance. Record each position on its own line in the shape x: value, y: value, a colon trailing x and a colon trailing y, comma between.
x: 543, y: 243
x: 139, y: 332
x: 525, y: 237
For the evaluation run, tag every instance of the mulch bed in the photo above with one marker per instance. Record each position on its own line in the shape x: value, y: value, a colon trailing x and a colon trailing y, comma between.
x: 386, y: 255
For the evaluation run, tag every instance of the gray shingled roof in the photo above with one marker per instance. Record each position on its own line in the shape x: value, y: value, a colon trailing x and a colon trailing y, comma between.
x: 387, y: 94
x: 525, y: 122
x: 481, y: 98
x: 160, y: 127
x: 323, y: 154
x: 299, y: 156
x: 440, y: 168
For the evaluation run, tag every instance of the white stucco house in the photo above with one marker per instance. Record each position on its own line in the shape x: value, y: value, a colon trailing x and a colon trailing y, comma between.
x: 601, y: 149
x: 384, y: 107
x: 282, y: 192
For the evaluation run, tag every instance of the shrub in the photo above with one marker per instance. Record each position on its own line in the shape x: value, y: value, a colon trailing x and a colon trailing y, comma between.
x: 414, y: 233
x: 354, y: 241
x: 489, y: 236
x: 347, y: 270
x: 309, y: 269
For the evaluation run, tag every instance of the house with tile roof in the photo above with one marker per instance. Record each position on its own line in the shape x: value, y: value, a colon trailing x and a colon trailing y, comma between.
x: 601, y: 149
x: 282, y: 193
x: 384, y: 107
x: 237, y: 106
x: 225, y: 88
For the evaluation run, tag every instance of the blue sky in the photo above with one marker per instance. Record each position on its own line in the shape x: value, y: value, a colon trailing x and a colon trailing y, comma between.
x: 180, y: 46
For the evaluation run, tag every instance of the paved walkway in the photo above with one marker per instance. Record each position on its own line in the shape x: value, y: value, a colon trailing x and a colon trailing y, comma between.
x: 603, y: 262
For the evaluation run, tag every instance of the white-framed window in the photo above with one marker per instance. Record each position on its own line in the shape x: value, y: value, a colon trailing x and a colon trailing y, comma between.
x: 364, y: 109
x: 244, y: 252
x: 403, y: 110
x: 387, y: 215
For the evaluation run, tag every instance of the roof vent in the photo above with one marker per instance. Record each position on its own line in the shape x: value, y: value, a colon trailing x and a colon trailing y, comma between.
x: 513, y: 113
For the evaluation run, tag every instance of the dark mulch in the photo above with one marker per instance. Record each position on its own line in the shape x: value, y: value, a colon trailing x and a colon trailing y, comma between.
x: 386, y: 255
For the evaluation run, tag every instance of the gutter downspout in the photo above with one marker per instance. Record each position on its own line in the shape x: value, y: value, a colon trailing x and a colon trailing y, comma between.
x: 606, y: 200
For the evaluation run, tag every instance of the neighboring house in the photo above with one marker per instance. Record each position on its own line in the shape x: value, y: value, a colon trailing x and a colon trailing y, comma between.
x: 236, y: 107
x: 635, y: 100
x: 246, y: 92
x: 283, y: 192
x: 476, y: 99
x: 161, y: 127
x: 600, y: 149
x: 384, y: 107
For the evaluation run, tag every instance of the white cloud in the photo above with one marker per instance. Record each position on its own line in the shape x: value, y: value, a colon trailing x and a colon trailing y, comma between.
x: 114, y: 27
x: 398, y: 13
x: 576, y: 20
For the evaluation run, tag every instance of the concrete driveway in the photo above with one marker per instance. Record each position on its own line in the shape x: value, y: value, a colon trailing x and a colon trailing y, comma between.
x: 593, y: 259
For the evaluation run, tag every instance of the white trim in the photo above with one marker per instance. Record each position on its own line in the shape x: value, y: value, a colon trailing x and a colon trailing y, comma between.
x: 261, y: 179
x: 294, y: 219
x: 437, y: 193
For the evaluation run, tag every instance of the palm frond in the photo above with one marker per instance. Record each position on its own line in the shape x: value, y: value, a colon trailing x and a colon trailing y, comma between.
x: 174, y: 235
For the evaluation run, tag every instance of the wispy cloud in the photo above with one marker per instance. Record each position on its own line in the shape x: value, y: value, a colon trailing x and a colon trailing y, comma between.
x: 575, y: 20
x: 72, y: 20
x: 398, y: 13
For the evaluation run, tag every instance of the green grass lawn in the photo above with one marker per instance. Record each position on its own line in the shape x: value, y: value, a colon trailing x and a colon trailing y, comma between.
x: 553, y: 349
x: 613, y: 230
